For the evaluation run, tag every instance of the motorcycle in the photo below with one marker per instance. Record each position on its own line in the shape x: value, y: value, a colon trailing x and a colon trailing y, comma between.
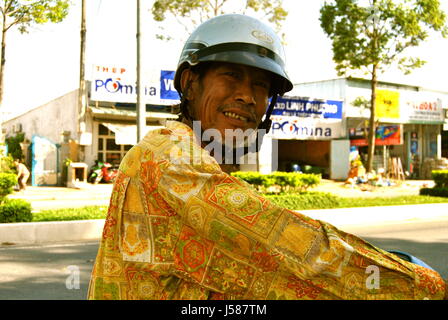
x: 410, y: 258
x: 102, y: 172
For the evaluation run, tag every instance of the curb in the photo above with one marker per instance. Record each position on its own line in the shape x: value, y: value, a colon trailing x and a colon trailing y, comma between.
x: 55, y: 231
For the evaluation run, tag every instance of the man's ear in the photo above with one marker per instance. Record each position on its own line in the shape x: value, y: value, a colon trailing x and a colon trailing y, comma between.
x: 186, y: 80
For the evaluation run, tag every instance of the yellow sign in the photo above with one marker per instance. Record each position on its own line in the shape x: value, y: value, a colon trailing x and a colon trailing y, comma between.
x: 387, y: 104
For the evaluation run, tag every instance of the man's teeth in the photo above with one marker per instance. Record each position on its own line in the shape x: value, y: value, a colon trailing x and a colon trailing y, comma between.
x: 235, y: 116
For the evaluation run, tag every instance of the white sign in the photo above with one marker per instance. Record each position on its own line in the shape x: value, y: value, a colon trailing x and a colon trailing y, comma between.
x: 119, y: 84
x: 414, y: 106
x: 284, y: 127
x: 418, y: 107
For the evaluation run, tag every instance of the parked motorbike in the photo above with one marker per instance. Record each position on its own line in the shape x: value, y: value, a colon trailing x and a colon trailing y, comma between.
x: 408, y: 257
x: 109, y: 172
x: 102, y: 172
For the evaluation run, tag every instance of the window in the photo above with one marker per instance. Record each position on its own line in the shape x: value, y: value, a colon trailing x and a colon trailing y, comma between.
x: 108, y: 151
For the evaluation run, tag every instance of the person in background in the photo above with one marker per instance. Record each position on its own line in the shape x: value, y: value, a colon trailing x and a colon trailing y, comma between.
x: 22, y: 174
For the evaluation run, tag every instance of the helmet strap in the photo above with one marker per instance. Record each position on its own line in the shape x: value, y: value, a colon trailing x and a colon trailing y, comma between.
x: 185, y: 113
x: 267, y: 122
x: 184, y: 109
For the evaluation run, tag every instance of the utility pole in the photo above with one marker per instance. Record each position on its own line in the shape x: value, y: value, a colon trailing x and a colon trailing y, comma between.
x: 2, y: 75
x: 141, y: 107
x: 82, y: 101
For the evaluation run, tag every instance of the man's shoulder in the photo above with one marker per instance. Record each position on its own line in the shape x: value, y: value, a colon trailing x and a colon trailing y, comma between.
x: 155, y: 146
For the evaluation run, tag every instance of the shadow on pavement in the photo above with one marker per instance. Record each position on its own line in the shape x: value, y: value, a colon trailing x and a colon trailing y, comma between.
x: 46, y: 272
x: 41, y: 272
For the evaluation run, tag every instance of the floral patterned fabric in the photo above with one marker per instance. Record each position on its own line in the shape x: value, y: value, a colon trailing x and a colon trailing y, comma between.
x: 178, y: 227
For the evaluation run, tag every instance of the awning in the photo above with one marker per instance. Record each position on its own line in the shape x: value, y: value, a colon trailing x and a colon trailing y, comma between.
x: 107, y: 113
x: 127, y: 133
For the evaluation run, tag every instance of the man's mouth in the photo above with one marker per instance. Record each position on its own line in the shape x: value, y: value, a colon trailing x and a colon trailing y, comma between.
x: 236, y: 116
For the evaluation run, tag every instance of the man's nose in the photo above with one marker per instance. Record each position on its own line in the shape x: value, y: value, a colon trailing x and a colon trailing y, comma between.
x: 245, y: 92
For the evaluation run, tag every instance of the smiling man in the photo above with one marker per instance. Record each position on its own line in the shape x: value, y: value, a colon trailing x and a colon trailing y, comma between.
x: 230, y: 110
x: 237, y: 99
x: 180, y: 227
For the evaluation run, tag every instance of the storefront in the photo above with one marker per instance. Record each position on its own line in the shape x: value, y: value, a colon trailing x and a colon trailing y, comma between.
x: 409, y: 128
x: 109, y: 127
x: 305, y: 133
x: 111, y: 111
x: 114, y: 129
x: 409, y: 120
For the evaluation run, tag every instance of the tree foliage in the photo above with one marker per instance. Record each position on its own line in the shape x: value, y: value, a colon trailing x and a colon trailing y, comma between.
x: 379, y: 33
x: 373, y: 35
x: 14, y: 148
x: 190, y: 13
x: 24, y: 13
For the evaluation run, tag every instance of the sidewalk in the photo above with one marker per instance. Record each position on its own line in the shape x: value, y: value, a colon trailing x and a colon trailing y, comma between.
x: 61, y: 197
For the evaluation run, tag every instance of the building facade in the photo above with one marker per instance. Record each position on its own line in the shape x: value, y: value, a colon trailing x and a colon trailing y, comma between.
x: 315, y: 127
x: 56, y: 134
x: 410, y: 126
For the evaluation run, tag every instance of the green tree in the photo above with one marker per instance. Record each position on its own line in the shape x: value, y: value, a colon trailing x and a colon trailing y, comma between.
x: 14, y: 148
x: 373, y: 35
x: 24, y: 13
x: 190, y: 13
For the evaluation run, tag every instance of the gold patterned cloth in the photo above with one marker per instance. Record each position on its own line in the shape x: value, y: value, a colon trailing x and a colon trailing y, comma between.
x: 178, y: 227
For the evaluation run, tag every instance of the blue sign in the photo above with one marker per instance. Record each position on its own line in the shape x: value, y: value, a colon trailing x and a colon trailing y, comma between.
x: 167, y: 90
x: 324, y: 109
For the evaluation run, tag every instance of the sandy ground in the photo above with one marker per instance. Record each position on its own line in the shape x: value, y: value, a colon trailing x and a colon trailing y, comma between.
x: 398, y: 188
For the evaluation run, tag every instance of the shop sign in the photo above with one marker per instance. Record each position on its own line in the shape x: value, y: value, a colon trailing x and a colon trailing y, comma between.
x: 285, y: 127
x: 308, y: 108
x: 401, y: 106
x: 387, y: 104
x: 423, y: 108
x: 118, y: 84
x: 386, y: 135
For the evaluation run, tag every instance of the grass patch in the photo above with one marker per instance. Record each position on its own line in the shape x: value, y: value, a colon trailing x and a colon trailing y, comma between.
x: 303, y: 201
x: 306, y: 200
x: 320, y: 200
x: 68, y: 214
x: 392, y: 201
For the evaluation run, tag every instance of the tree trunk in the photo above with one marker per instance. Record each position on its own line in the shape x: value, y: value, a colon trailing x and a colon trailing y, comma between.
x: 372, y: 122
x: 3, y: 60
x: 82, y: 82
x: 2, y: 71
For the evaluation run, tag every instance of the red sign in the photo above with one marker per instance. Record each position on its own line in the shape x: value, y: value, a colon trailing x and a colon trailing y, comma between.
x: 385, y: 136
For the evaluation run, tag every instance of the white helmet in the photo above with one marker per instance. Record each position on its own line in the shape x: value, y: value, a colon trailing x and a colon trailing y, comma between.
x: 239, y: 39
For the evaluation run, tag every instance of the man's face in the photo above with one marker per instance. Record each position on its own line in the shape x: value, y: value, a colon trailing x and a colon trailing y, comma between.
x: 230, y: 96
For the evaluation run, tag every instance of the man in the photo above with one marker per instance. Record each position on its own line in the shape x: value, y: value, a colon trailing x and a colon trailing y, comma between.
x: 22, y: 174
x: 180, y: 227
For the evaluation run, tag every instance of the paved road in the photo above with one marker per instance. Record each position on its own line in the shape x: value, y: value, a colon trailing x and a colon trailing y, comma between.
x: 46, y: 271
x: 42, y: 272
x: 427, y: 240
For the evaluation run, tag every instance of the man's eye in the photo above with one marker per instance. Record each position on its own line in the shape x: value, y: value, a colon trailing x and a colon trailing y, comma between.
x: 232, y: 74
x: 262, y: 84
